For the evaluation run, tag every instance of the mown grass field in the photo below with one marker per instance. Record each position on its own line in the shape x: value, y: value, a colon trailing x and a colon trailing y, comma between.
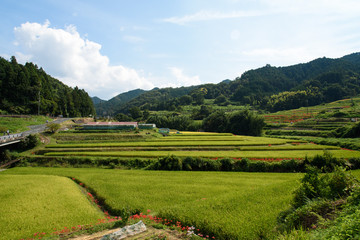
x: 229, y: 205
x: 17, y: 124
x: 40, y: 203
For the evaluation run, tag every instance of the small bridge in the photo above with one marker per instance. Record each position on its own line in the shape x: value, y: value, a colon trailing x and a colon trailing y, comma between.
x: 11, y: 139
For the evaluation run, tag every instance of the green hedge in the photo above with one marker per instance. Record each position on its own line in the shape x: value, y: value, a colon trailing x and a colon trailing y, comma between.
x: 300, y: 133
x: 325, y: 162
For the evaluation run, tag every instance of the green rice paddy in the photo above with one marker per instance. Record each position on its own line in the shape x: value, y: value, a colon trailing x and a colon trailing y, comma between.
x: 229, y: 205
x: 41, y: 203
x: 212, y: 154
x: 190, y: 144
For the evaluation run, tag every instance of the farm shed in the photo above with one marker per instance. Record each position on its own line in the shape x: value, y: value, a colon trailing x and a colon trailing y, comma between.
x: 147, y: 126
x: 110, y: 125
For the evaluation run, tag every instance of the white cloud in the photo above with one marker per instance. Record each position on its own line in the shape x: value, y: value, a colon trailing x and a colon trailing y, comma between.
x: 331, y: 8
x: 22, y: 58
x: 205, y: 15
x: 75, y: 60
x: 182, y: 79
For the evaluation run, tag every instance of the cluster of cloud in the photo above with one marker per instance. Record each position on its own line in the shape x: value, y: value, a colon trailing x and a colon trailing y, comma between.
x: 74, y: 60
x: 180, y: 77
x: 77, y: 61
x: 313, y: 29
x: 345, y: 8
x: 207, y: 15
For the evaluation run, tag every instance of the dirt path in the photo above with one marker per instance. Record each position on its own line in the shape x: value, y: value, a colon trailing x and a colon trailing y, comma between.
x: 148, y: 234
x: 43, y: 139
x: 9, y: 163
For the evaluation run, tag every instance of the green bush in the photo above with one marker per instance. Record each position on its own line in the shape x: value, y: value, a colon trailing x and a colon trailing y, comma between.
x: 193, y: 164
x: 29, y: 142
x: 242, y: 165
x: 169, y: 163
x: 326, y: 162
x: 258, y: 166
x: 226, y: 164
x: 308, y: 215
x: 346, y: 225
x: 314, y: 199
x: 5, y: 155
x: 332, y: 185
x: 211, y: 165
x: 309, y: 188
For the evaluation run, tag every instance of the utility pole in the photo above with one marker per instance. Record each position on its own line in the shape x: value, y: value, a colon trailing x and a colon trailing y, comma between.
x: 39, y: 104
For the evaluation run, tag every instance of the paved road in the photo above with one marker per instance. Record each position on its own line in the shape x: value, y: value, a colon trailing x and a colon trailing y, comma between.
x: 13, y: 138
x: 41, y: 128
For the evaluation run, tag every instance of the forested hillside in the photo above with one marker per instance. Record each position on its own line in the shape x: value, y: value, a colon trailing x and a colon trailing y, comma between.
x: 268, y: 88
x: 110, y: 107
x: 26, y: 89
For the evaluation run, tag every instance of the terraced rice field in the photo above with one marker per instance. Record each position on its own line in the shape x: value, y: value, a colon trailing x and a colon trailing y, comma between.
x: 225, y: 205
x: 301, y: 114
x: 188, y: 144
x: 319, y: 121
x: 37, y: 203
x: 222, y: 204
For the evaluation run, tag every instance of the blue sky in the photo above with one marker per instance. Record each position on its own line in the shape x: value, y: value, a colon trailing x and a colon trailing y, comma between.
x: 108, y: 47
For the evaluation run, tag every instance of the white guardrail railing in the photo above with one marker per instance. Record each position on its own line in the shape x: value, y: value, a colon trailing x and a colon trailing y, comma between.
x: 11, y: 137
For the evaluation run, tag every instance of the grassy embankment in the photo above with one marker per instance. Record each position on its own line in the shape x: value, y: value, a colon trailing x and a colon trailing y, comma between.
x: 20, y: 124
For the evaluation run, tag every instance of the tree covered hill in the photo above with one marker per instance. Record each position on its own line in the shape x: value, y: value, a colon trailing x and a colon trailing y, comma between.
x: 104, y: 108
x: 97, y: 100
x: 270, y: 88
x: 26, y: 89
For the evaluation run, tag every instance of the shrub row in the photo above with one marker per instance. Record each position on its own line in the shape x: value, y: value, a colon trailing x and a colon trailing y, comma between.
x: 85, y: 162
x: 325, y: 162
x: 341, y: 142
x: 300, y: 133
x: 93, y: 137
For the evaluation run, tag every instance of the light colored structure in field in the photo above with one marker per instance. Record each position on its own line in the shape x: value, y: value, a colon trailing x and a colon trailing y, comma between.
x: 116, y: 126
x: 110, y: 125
x: 146, y: 125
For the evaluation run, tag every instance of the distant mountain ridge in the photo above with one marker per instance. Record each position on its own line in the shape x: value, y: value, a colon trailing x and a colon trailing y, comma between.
x: 254, y: 87
x: 109, y: 107
x: 97, y: 100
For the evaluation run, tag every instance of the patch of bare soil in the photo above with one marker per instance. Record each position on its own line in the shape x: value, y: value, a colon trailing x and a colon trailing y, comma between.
x: 44, y: 139
x: 149, y: 234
